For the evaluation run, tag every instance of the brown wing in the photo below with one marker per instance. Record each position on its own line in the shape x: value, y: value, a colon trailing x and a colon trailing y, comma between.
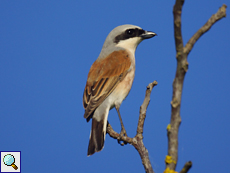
x: 103, y: 77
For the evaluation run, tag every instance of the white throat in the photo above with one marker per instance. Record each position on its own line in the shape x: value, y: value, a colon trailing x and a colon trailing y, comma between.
x: 130, y: 44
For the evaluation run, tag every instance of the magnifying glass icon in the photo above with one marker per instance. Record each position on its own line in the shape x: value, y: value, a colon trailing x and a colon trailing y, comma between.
x: 9, y: 160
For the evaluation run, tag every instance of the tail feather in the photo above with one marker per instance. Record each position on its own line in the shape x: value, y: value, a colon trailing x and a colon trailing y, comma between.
x: 97, y: 136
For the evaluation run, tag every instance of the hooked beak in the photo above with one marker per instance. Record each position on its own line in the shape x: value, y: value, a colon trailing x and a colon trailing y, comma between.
x: 148, y: 34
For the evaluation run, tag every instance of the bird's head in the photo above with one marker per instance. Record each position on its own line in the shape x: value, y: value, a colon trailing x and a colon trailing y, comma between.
x: 127, y: 37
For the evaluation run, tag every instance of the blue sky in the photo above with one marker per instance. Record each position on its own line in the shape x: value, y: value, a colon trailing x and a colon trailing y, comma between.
x: 46, y: 50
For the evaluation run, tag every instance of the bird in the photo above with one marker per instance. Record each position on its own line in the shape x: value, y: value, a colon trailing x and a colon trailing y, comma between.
x: 110, y: 79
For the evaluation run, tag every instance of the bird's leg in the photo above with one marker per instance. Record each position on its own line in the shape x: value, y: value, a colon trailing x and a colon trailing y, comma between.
x: 123, y: 131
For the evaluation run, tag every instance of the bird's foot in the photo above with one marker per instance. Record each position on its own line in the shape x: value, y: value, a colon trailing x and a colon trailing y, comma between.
x: 122, y: 133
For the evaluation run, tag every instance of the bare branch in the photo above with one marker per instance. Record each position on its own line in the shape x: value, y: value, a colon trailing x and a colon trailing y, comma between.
x: 144, y: 154
x: 213, y: 19
x: 115, y: 135
x: 182, y: 67
x: 137, y: 141
x: 186, y: 167
x: 177, y: 9
x: 143, y: 108
x: 139, y: 145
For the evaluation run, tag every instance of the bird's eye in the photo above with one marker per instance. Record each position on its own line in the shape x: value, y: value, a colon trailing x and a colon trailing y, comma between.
x: 130, y: 32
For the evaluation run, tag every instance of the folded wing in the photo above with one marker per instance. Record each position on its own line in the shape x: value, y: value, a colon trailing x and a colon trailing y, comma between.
x: 104, y: 75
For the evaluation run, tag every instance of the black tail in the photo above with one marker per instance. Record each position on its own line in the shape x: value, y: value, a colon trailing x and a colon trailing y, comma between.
x: 97, y: 136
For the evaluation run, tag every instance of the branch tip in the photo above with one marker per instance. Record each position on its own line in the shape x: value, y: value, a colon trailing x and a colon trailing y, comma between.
x: 211, y: 21
x: 186, y: 167
x: 151, y: 85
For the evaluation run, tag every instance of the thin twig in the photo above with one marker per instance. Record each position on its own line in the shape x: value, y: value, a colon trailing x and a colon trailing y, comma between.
x: 143, y: 108
x: 215, y: 17
x: 116, y: 135
x: 139, y: 145
x: 186, y: 167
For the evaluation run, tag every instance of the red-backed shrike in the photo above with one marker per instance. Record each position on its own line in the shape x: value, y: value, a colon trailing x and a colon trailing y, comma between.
x: 110, y: 79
